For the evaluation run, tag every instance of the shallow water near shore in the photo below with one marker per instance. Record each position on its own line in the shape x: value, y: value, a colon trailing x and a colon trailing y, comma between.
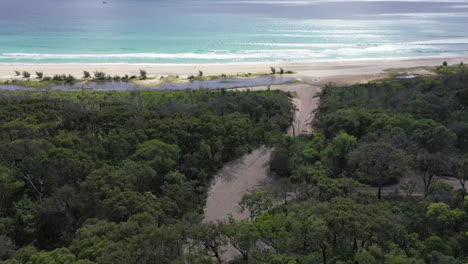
x: 228, y: 31
x: 220, y: 83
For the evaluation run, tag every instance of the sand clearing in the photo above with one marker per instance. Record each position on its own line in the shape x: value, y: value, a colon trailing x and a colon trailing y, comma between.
x: 252, y: 170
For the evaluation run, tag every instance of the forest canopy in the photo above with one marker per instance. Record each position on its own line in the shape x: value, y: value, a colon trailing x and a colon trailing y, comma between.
x: 121, y: 177
x: 85, y: 176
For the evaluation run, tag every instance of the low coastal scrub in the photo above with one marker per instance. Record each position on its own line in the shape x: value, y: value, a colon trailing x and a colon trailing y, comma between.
x: 43, y: 81
x: 39, y: 75
x: 143, y: 74
x: 26, y: 74
x: 98, y: 75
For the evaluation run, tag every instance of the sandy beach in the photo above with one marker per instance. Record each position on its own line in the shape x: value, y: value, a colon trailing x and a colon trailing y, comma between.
x: 342, y: 72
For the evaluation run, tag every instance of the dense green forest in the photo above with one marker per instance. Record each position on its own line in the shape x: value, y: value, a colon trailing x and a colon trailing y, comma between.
x: 107, y: 177
x: 119, y: 177
x: 367, y: 137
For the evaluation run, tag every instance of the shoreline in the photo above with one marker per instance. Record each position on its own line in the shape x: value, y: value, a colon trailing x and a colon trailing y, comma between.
x: 309, y: 71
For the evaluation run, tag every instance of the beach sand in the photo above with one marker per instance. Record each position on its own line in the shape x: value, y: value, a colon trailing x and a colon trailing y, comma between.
x: 318, y: 73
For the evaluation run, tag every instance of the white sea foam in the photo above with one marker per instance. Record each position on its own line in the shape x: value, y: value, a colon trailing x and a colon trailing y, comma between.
x: 332, y: 31
x: 319, y: 36
x: 218, y: 55
x: 442, y: 41
x: 300, y: 45
x: 271, y: 52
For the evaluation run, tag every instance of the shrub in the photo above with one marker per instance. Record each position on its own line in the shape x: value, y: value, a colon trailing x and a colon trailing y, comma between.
x: 200, y: 73
x: 143, y: 74
x: 444, y: 64
x: 190, y: 77
x: 26, y: 74
x: 86, y: 74
x: 461, y: 65
x: 116, y: 77
x: 69, y: 78
x: 273, y: 70
x: 125, y: 77
x: 99, y: 75
x: 40, y: 75
x: 47, y: 78
x: 18, y: 73
x: 281, y: 71
x: 133, y: 77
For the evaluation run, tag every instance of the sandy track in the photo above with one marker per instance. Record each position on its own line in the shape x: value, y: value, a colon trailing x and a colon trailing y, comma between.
x: 236, y: 178
x: 251, y: 171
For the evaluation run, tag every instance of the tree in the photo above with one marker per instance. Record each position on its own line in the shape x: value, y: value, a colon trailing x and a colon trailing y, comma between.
x: 160, y: 156
x: 335, y: 154
x: 39, y: 75
x: 142, y: 74
x: 442, y: 219
x: 98, y: 75
x: 378, y: 164
x: 7, y: 247
x: 458, y: 168
x: 200, y: 73
x: 434, y: 137
x: 211, y: 237
x: 243, y: 236
x: 10, y: 187
x: 273, y: 70
x: 427, y: 166
x: 26, y: 74
x: 86, y: 74
x: 256, y: 202
x: 409, y: 187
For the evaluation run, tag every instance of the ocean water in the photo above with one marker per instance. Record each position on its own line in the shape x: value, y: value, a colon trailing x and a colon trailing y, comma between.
x: 228, y: 31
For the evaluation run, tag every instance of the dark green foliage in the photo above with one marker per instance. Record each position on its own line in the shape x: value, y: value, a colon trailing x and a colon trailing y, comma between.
x: 39, y: 75
x: 26, y: 74
x: 99, y: 75
x: 143, y: 74
x: 86, y: 74
x: 273, y: 70
x: 108, y: 177
x: 375, y: 134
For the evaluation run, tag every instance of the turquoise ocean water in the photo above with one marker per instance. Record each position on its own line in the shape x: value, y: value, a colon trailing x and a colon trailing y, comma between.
x: 228, y: 31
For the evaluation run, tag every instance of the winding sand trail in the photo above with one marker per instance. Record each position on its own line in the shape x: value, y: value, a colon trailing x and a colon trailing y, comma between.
x: 251, y: 171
